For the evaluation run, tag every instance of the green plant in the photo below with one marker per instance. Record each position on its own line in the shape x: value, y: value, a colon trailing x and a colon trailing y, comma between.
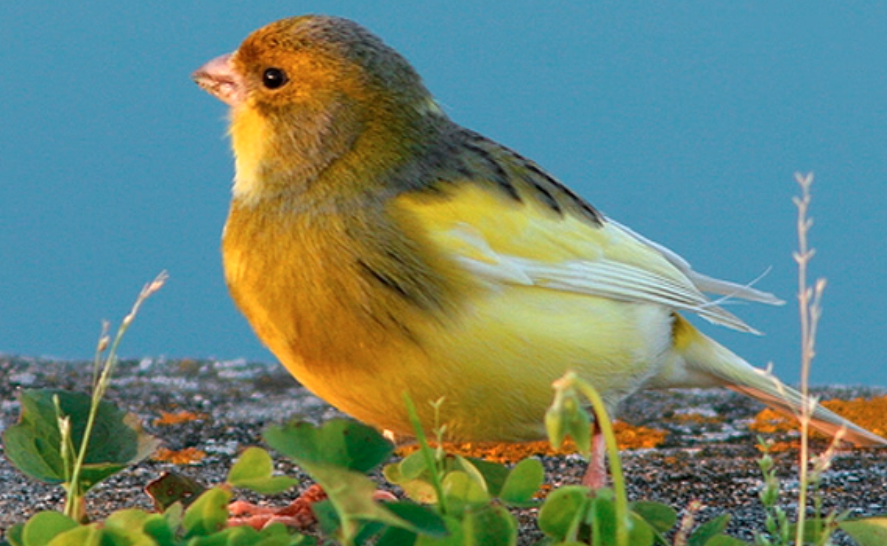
x: 575, y: 515
x: 816, y: 531
x: 201, y: 524
x: 337, y: 456
x: 75, y: 440
x: 469, y: 495
x: 776, y: 525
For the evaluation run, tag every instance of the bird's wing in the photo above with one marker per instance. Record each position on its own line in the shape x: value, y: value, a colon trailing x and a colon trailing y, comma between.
x: 515, y: 230
x: 701, y: 281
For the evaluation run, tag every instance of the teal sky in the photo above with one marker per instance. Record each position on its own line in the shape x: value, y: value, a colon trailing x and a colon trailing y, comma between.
x: 685, y: 121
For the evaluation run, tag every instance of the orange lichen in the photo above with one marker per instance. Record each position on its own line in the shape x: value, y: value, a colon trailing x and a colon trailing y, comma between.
x: 778, y: 447
x: 544, y: 490
x: 627, y: 436
x: 768, y: 421
x: 867, y: 413
x: 639, y: 437
x: 696, y: 418
x: 176, y: 418
x: 189, y: 455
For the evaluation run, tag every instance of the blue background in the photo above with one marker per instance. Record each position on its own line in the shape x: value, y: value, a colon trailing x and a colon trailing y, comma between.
x: 685, y: 121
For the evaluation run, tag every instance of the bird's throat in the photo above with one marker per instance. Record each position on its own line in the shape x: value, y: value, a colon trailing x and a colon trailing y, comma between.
x: 248, y: 132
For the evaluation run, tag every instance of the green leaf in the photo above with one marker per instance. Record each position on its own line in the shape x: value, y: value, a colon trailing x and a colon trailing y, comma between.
x: 413, y: 477
x: 127, y: 519
x: 455, y: 535
x: 413, y: 465
x: 84, y: 535
x: 339, y: 442
x: 494, y: 475
x: 352, y: 496
x: 640, y: 533
x: 253, y: 471
x: 128, y: 527
x: 708, y: 530
x: 120, y: 534
x: 395, y: 536
x: 490, y: 526
x: 44, y: 526
x: 563, y: 510
x: 567, y: 417
x: 230, y: 536
x: 277, y: 534
x: 14, y: 535
x: 327, y: 517
x: 660, y: 516
x: 424, y: 520
x: 171, y: 488
x: 368, y: 532
x: 208, y: 514
x: 867, y: 532
x: 158, y: 528
x: 816, y: 529
x: 724, y: 540
x: 420, y: 490
x: 522, y: 483
x: 33, y: 445
x: 463, y: 492
x: 602, y: 517
x: 174, y: 515
x: 466, y: 466
x: 604, y: 523
x: 333, y: 455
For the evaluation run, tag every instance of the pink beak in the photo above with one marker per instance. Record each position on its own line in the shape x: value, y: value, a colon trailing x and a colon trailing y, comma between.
x: 219, y: 79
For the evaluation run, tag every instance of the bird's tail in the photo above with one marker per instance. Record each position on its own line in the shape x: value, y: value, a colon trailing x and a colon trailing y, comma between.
x: 704, y: 356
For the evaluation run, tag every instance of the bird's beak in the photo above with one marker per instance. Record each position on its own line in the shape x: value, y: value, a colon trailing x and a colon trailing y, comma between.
x: 219, y: 79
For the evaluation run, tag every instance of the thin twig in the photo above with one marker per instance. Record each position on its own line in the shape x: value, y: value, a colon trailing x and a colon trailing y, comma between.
x: 809, y: 310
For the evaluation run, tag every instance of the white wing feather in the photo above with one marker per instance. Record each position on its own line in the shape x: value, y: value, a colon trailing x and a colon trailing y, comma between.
x: 603, y: 277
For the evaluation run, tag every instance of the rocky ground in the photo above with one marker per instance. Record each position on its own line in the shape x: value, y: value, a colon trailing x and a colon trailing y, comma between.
x: 710, y: 457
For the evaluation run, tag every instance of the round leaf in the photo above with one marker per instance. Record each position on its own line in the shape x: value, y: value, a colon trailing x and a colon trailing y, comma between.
x: 253, y: 471
x: 563, y: 508
x: 867, y: 532
x: 44, y: 526
x: 523, y: 482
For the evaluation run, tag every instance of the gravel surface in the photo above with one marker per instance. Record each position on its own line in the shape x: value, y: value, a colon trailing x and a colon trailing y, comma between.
x: 710, y: 460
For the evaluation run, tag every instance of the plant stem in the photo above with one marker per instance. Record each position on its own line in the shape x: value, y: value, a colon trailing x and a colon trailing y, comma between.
x: 74, y: 502
x: 809, y: 311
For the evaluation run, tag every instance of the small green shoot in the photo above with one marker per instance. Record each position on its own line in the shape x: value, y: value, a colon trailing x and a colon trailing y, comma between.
x: 77, y: 440
x: 469, y: 494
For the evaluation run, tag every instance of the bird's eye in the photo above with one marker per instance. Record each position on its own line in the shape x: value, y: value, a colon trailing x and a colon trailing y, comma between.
x: 274, y: 78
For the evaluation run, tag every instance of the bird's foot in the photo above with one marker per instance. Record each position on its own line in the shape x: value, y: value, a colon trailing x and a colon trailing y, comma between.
x: 297, y: 514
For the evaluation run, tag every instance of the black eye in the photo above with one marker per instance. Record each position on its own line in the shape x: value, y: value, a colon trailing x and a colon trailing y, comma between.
x: 274, y: 78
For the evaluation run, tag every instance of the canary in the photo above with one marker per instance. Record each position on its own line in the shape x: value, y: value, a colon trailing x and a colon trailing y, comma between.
x: 378, y: 248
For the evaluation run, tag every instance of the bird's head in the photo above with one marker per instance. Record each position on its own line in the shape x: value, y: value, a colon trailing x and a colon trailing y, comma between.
x: 302, y: 92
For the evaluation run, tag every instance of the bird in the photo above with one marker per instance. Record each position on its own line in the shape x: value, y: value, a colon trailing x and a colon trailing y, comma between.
x: 378, y: 248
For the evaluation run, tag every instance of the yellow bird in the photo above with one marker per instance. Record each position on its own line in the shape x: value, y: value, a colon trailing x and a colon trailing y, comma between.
x: 377, y: 248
